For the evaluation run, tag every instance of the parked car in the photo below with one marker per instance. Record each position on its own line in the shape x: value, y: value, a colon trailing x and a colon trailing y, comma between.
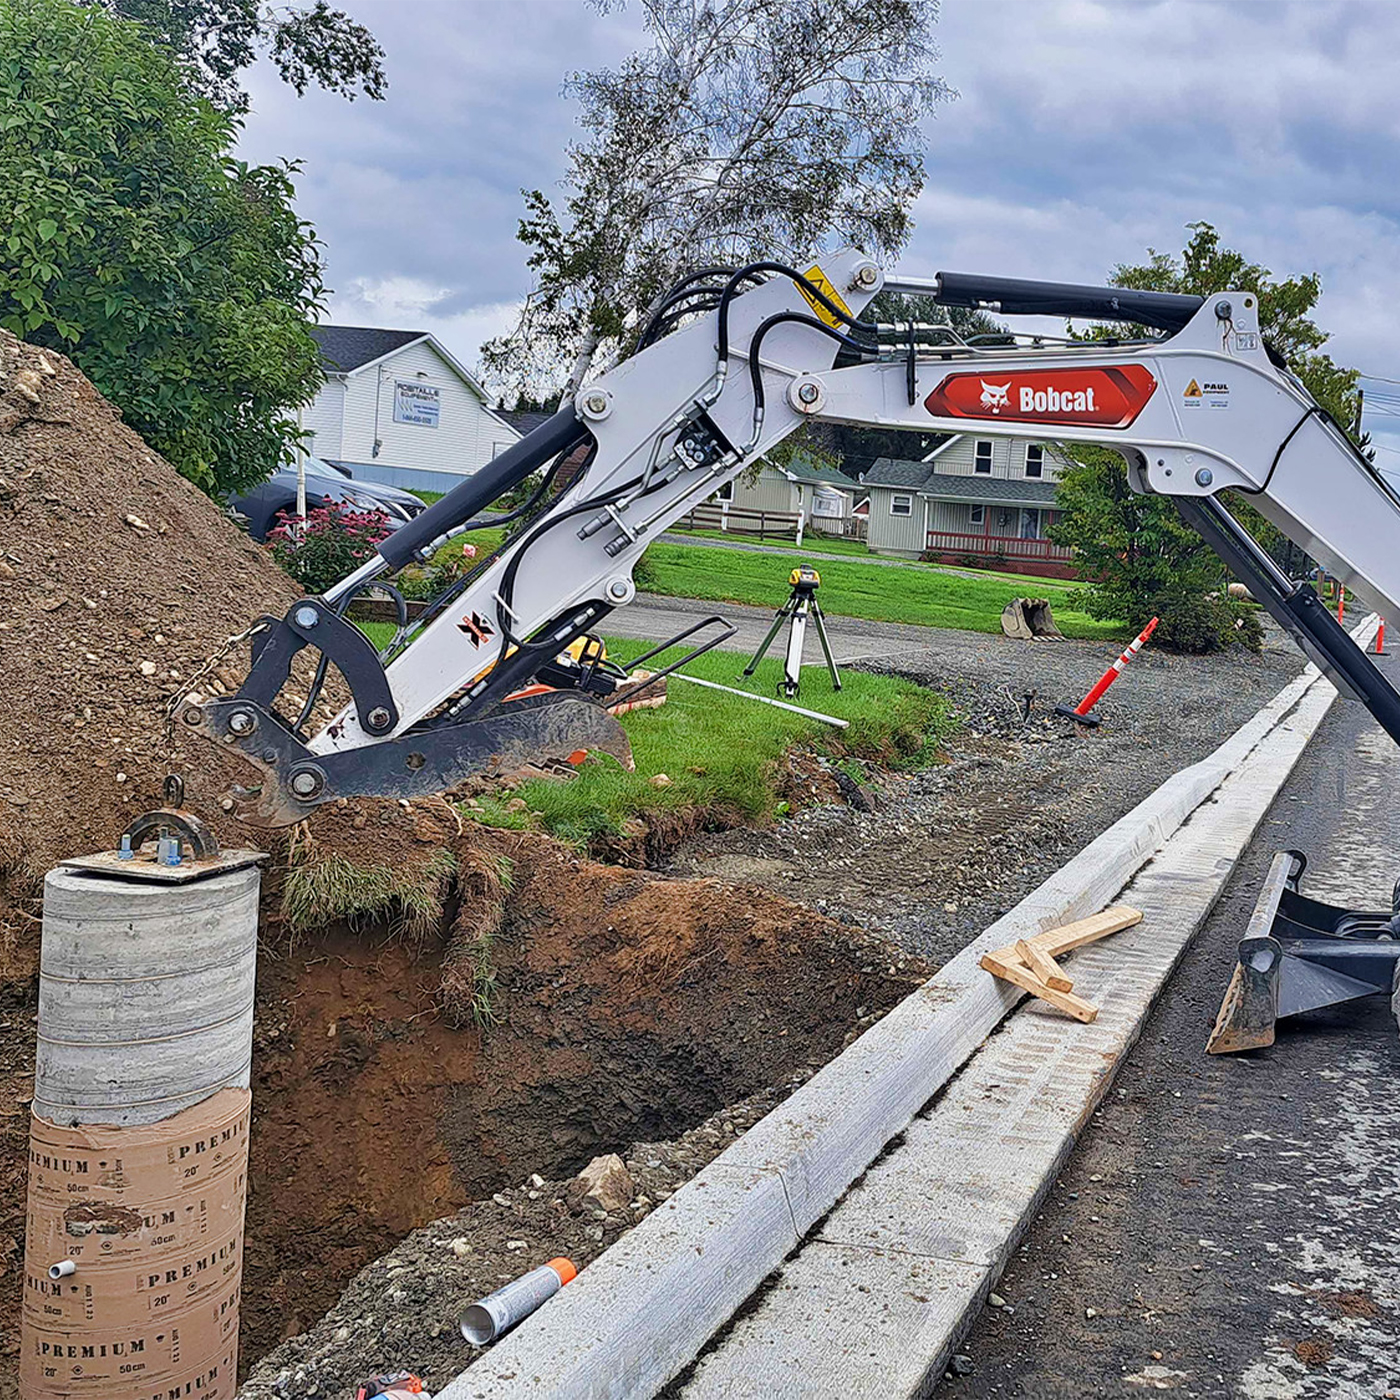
x: 264, y: 506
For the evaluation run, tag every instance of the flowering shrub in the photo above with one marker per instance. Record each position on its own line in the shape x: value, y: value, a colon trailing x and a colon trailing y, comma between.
x: 333, y: 541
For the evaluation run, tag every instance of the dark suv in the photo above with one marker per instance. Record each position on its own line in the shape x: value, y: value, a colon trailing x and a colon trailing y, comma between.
x: 266, y: 504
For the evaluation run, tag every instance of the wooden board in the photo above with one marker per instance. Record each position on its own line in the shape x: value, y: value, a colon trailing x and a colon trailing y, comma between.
x: 1043, y: 965
x: 1023, y: 977
x: 1057, y: 941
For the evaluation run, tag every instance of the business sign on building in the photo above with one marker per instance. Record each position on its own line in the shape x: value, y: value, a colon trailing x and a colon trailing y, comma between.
x: 418, y: 404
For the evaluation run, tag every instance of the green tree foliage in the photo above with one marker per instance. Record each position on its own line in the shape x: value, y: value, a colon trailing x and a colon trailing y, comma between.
x: 747, y: 129
x: 1138, y: 556
x: 1141, y: 560
x: 218, y: 39
x: 178, y: 279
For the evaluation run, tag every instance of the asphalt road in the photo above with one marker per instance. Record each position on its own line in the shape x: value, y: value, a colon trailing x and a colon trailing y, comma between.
x: 1228, y: 1226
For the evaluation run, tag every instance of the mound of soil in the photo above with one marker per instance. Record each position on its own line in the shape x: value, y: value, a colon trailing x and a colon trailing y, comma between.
x: 118, y: 579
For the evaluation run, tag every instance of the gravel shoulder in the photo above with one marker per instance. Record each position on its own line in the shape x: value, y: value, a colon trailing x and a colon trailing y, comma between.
x: 948, y: 849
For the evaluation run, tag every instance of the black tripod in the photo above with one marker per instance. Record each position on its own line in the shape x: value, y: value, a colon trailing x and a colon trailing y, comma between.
x: 801, y: 604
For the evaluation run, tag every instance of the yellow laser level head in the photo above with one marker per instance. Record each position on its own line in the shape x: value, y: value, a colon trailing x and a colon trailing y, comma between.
x: 805, y: 576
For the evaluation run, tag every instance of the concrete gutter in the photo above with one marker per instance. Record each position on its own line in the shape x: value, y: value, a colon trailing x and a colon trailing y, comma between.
x: 640, y: 1313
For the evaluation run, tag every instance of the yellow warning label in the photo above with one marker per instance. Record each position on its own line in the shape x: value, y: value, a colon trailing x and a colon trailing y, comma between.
x: 822, y: 283
x: 1193, y: 390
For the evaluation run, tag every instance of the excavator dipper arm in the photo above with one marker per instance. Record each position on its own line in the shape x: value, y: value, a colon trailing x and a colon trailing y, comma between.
x: 736, y: 360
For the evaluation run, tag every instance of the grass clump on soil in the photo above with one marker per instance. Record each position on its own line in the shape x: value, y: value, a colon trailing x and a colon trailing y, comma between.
x: 468, y: 988
x: 854, y: 588
x: 720, y: 754
x: 331, y: 889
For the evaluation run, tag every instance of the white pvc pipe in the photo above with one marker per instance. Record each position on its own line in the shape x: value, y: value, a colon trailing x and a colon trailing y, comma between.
x: 498, y: 1312
x: 764, y: 700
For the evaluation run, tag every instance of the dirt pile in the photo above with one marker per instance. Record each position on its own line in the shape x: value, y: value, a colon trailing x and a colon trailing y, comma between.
x: 118, y: 578
x: 118, y: 581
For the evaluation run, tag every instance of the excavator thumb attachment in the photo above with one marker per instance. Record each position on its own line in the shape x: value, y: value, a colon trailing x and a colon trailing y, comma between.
x: 1030, y: 619
x: 1298, y: 955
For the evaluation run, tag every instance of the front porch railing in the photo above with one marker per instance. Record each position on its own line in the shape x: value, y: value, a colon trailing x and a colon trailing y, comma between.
x: 996, y: 547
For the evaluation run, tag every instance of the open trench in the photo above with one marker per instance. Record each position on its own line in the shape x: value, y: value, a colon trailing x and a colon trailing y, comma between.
x: 630, y: 1008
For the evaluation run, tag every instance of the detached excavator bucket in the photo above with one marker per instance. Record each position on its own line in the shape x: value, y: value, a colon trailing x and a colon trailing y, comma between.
x: 1298, y: 955
x: 1029, y: 620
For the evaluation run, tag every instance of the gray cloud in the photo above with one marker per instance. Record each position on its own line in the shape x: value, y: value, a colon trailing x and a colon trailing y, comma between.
x: 1085, y: 132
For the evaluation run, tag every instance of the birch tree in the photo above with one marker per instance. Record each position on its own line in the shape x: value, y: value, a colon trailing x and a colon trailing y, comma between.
x: 746, y: 129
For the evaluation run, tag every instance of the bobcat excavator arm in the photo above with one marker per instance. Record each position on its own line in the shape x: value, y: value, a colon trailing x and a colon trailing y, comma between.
x: 735, y: 361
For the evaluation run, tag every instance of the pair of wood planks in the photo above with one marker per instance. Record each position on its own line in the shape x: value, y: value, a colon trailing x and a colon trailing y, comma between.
x: 1030, y: 962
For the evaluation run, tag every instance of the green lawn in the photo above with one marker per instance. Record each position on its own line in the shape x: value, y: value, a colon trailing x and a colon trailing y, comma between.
x: 852, y: 589
x: 822, y: 544
x: 812, y: 544
x: 719, y: 750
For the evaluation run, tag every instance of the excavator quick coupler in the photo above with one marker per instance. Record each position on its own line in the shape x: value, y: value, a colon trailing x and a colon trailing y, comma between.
x: 1299, y: 954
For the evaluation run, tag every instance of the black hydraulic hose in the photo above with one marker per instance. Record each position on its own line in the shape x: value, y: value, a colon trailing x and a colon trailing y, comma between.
x: 755, y: 366
x: 705, y: 298
x: 507, y: 589
x: 732, y: 286
x: 675, y: 292
x: 318, y: 681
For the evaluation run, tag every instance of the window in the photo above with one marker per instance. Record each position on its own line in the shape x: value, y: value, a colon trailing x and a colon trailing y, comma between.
x: 1035, y: 459
x: 901, y: 505
x: 725, y: 492
x: 1030, y: 524
x: 982, y: 459
x: 977, y: 515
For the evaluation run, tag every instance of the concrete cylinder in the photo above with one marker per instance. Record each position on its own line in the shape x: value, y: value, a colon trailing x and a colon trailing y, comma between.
x: 139, y: 1137
x: 145, y: 995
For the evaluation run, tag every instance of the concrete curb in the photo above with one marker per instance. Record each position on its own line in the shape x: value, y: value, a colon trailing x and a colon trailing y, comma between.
x: 642, y: 1311
x: 876, y: 1300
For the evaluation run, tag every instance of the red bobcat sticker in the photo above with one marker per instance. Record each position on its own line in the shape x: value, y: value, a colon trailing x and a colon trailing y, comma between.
x: 1098, y: 396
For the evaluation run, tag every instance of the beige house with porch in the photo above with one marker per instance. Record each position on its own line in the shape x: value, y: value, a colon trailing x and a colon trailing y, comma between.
x: 985, y: 499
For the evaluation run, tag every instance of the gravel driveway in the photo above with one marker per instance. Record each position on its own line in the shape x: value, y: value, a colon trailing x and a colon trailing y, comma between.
x: 948, y: 849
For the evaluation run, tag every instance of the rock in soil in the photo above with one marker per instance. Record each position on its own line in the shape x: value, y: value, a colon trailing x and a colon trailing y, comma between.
x: 603, y: 1185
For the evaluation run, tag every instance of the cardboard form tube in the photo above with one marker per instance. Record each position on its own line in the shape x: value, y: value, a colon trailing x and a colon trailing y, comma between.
x: 498, y: 1312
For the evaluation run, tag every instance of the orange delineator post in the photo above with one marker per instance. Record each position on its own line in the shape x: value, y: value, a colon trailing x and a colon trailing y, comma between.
x: 1380, y: 639
x: 1082, y: 713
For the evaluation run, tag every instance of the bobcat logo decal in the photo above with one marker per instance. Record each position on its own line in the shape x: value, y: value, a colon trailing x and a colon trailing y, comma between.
x: 995, y: 396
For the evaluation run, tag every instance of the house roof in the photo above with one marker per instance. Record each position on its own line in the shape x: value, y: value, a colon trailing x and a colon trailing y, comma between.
x: 523, y: 420
x: 348, y: 348
x: 801, y: 468
x: 892, y: 471
x: 1011, y: 492
x: 923, y: 480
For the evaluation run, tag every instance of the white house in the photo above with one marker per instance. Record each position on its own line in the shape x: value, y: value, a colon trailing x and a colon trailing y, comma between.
x: 985, y: 499
x: 397, y: 407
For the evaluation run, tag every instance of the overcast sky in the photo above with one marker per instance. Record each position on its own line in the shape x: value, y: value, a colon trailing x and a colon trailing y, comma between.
x: 1085, y: 132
